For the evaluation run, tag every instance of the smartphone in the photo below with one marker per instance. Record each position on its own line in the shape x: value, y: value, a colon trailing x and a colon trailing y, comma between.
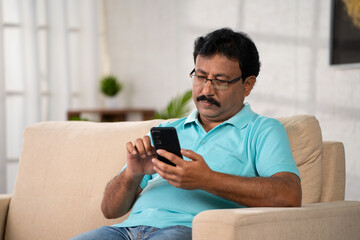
x: 166, y: 138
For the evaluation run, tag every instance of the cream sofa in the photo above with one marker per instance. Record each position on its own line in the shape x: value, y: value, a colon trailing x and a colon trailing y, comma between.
x: 65, y: 166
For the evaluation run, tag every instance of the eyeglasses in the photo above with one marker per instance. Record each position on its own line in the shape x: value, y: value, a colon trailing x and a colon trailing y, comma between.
x: 218, y: 84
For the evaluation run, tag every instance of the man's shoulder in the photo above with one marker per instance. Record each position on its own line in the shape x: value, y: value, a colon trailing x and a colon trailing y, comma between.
x: 263, y: 122
x: 246, y: 118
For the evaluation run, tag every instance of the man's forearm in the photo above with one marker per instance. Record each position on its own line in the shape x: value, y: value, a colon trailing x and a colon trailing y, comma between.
x: 120, y: 194
x: 280, y: 190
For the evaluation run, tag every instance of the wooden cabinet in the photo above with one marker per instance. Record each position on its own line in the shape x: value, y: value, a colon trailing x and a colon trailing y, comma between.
x: 112, y: 115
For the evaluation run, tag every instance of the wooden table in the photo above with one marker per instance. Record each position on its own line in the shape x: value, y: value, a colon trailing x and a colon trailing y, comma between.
x: 112, y: 115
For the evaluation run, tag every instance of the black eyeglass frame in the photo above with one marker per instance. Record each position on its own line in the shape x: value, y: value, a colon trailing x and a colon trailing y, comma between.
x: 211, y: 80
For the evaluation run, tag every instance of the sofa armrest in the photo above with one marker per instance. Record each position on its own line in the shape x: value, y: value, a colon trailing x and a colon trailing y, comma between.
x: 333, y: 172
x: 4, y: 207
x: 332, y: 220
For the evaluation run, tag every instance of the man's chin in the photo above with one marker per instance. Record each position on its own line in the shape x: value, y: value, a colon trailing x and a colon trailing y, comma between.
x: 210, y: 112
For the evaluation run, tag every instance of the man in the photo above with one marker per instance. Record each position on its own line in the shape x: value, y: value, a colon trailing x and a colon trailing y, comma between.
x: 232, y: 156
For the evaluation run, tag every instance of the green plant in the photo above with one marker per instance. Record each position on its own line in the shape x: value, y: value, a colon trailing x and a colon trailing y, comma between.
x: 110, y: 86
x: 176, y: 108
x: 76, y: 118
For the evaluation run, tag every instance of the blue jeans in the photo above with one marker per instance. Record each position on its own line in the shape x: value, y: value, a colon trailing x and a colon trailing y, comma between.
x: 138, y: 233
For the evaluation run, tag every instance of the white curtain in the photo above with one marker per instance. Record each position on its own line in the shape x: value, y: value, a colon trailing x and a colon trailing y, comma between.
x: 49, y: 63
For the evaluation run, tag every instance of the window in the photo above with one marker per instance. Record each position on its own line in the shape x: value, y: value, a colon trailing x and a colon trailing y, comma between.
x: 43, y: 68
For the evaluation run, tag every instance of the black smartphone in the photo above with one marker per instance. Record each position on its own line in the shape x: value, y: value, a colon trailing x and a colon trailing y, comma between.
x: 166, y: 138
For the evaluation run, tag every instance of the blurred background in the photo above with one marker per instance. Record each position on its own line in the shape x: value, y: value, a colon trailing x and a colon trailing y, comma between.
x: 53, y: 55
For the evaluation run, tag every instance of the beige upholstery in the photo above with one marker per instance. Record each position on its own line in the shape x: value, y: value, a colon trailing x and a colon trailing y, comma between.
x: 306, y: 143
x: 65, y: 166
x: 335, y: 220
x: 333, y: 181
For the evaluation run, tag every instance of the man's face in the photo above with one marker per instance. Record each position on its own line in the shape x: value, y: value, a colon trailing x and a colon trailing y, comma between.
x: 226, y: 102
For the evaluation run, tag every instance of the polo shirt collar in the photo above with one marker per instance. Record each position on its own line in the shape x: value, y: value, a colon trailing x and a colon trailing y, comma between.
x: 239, y: 120
x: 193, y: 117
x: 242, y: 118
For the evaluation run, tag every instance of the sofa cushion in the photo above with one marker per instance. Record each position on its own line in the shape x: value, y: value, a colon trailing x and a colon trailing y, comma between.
x: 64, y: 168
x: 306, y: 143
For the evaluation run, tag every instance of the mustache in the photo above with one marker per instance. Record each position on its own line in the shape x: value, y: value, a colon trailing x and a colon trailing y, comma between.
x: 209, y: 99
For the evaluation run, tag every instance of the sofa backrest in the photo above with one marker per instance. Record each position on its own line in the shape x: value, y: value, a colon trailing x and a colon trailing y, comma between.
x: 65, y: 166
x: 306, y: 143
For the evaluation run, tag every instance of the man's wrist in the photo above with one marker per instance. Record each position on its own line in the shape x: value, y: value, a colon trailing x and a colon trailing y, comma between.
x: 133, y: 177
x: 208, y: 181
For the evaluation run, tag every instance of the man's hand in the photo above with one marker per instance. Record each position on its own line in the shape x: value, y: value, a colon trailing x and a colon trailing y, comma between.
x: 187, y: 174
x: 139, y: 156
x: 123, y: 190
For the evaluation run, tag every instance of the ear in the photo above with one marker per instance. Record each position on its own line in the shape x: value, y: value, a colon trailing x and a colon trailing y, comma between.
x: 249, y: 84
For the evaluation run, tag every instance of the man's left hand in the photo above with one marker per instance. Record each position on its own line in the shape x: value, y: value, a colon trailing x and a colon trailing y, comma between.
x: 186, y: 174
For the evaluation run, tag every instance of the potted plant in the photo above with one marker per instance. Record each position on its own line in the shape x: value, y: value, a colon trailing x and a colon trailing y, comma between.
x: 176, y: 108
x: 110, y: 87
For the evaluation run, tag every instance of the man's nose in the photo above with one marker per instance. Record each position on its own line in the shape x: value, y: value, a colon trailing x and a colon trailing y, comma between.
x: 208, y: 88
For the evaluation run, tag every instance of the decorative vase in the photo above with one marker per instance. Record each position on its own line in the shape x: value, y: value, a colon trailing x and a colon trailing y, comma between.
x: 111, y: 102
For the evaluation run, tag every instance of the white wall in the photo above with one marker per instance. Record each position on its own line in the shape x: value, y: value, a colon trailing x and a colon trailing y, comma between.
x: 151, y: 44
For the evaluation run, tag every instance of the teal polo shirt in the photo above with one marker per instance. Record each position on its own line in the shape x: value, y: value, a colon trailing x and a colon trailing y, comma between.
x: 247, y: 145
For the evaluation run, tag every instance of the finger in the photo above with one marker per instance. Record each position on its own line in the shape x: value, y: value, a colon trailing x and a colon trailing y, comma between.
x: 170, y: 156
x: 147, y: 143
x: 139, y: 144
x: 191, y: 154
x: 130, y: 148
x: 164, y: 166
x: 163, y: 170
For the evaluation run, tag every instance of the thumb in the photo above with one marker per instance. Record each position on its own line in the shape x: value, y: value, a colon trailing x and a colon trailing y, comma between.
x: 191, y: 155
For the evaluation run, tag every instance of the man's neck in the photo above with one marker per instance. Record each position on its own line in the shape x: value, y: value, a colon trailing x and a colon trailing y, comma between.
x: 208, y: 124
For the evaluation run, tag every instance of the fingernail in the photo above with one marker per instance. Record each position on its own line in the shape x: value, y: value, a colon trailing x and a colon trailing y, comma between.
x: 149, y: 153
x: 134, y: 152
x: 143, y: 155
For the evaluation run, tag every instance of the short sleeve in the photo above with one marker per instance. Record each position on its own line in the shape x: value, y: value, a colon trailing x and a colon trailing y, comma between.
x: 273, y: 151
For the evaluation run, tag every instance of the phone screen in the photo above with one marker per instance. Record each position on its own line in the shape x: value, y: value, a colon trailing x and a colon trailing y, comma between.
x: 166, y: 138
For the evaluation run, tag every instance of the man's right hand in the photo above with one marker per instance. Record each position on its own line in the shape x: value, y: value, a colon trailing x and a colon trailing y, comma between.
x: 122, y: 191
x: 139, y: 156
